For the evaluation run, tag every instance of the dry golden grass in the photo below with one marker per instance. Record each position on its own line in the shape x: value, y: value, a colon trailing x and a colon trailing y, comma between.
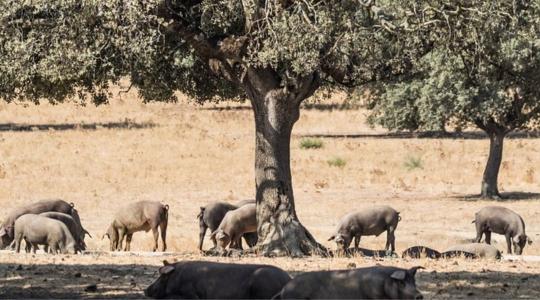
x: 193, y: 155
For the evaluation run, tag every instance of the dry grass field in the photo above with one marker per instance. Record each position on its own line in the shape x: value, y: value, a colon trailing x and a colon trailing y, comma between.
x: 187, y: 155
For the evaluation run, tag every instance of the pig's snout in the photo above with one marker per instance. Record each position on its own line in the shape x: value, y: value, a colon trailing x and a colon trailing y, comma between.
x: 340, y: 240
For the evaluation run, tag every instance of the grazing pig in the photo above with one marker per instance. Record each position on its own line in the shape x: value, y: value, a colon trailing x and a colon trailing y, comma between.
x: 372, y: 221
x: 503, y: 221
x: 211, y: 280
x: 211, y: 216
x: 39, y: 230
x: 234, y: 225
x: 421, y: 252
x: 365, y: 283
x: 76, y: 230
x: 478, y: 249
x: 7, y: 227
x: 138, y: 216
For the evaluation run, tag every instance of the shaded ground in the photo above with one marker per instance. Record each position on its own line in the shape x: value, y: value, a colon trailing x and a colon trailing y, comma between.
x: 116, y: 277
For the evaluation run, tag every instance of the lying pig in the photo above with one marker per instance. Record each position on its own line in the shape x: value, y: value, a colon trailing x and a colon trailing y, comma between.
x: 372, y: 221
x: 211, y: 280
x: 76, y: 230
x: 368, y: 252
x: 421, y: 252
x: 7, y: 227
x: 39, y: 230
x: 236, y: 223
x: 459, y: 253
x: 478, y: 249
x: 503, y: 221
x: 211, y: 216
x: 365, y: 283
x: 138, y: 216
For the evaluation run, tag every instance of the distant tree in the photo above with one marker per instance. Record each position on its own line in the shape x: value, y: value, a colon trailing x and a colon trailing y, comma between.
x: 483, y: 71
x: 274, y: 53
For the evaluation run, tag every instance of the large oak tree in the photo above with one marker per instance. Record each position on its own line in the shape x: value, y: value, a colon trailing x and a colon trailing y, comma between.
x: 274, y: 53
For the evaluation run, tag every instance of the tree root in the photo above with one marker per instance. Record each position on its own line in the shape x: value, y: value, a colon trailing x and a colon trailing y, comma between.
x: 293, y: 240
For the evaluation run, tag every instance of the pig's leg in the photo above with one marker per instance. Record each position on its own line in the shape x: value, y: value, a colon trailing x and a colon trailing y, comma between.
x: 232, y: 242
x: 239, y: 242
x: 488, y: 237
x: 202, y: 233
x: 393, y: 243
x: 163, y: 230
x: 356, y: 242
x: 35, y: 246
x: 390, y: 239
x: 236, y: 241
x: 509, y: 243
x: 28, y: 247
x: 213, y: 238
x: 479, y: 232
x: 18, y: 244
x: 128, y: 242
x: 121, y: 234
x: 156, y: 237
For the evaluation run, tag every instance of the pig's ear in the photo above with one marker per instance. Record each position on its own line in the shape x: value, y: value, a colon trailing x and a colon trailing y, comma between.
x: 332, y: 237
x: 399, y: 275
x: 412, y: 271
x: 166, y: 269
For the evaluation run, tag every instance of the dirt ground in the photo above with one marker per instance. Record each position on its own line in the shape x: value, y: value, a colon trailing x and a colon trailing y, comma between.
x: 187, y: 156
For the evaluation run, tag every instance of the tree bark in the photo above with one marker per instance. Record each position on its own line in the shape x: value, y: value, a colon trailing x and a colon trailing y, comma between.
x: 280, y: 232
x: 491, y: 173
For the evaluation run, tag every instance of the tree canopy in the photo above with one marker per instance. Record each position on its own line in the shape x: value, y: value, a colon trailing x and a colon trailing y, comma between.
x: 54, y: 49
x: 483, y: 70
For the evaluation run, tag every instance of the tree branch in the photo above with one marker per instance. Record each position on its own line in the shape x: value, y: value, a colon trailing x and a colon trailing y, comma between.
x: 220, y: 55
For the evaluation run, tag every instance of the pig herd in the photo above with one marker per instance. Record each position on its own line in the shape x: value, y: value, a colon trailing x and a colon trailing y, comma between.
x: 56, y: 225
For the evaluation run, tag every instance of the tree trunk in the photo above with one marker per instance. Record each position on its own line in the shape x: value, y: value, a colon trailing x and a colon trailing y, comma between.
x: 491, y: 173
x: 280, y: 232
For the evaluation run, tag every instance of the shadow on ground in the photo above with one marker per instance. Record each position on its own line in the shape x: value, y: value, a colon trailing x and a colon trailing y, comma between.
x: 509, y: 196
x: 469, y: 135
x: 306, y: 106
x: 486, y: 284
x: 129, y: 281
x: 74, y: 126
x: 75, y: 281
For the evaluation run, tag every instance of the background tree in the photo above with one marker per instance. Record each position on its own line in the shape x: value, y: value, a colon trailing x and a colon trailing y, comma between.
x: 274, y: 53
x: 483, y: 71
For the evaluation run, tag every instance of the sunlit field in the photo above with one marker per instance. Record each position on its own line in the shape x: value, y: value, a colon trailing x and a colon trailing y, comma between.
x: 187, y: 155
